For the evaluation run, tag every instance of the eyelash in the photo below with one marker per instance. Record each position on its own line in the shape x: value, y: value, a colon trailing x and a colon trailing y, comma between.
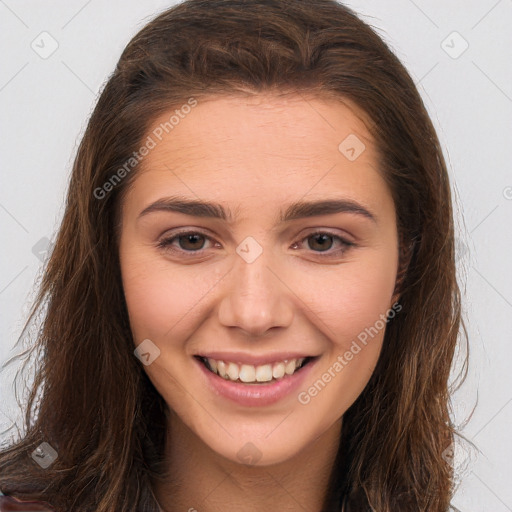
x: 165, y: 244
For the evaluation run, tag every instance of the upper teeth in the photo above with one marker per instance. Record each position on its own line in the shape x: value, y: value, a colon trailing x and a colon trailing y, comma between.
x: 250, y: 373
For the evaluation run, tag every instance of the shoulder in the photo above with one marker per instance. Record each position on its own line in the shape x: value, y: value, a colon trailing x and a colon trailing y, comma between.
x: 12, y: 504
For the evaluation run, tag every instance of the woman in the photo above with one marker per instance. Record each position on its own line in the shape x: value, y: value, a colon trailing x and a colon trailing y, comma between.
x: 199, y: 350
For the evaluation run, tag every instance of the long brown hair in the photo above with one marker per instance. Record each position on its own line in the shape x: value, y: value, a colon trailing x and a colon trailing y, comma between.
x: 91, y: 399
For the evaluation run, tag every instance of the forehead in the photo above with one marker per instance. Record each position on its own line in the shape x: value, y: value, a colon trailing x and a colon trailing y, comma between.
x: 293, y: 126
x: 262, y: 147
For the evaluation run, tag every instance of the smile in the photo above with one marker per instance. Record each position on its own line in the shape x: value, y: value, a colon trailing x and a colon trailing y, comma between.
x: 251, y: 374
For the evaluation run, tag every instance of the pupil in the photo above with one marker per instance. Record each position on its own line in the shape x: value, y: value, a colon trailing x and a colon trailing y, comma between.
x: 323, y: 237
x: 190, y: 239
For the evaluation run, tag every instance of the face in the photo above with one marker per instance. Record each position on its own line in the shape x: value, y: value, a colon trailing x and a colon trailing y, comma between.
x: 260, y: 315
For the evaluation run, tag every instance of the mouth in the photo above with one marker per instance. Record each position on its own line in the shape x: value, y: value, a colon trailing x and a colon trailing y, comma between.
x: 262, y: 374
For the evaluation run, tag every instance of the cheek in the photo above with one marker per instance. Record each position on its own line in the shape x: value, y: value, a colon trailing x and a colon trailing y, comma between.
x: 158, y: 294
x: 355, y: 305
x: 354, y: 296
x: 148, y: 295
x: 356, y: 319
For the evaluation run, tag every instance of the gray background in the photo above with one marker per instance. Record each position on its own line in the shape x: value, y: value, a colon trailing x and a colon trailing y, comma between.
x: 459, y: 55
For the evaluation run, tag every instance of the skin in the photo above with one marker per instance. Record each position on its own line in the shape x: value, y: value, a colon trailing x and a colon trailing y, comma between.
x: 244, y: 152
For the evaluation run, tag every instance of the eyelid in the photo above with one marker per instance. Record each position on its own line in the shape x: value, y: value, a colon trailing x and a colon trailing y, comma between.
x: 164, y: 242
x: 341, y: 233
x: 347, y: 244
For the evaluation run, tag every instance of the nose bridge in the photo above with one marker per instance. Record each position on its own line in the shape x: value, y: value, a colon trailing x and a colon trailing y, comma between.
x: 256, y: 299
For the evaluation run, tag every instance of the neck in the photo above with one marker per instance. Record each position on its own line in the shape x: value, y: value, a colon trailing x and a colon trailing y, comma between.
x: 201, y: 480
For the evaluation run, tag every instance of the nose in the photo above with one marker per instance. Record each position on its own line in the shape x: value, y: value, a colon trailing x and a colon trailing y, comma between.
x: 257, y: 297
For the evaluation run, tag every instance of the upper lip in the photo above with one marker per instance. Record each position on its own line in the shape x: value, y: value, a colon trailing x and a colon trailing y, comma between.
x: 255, y: 360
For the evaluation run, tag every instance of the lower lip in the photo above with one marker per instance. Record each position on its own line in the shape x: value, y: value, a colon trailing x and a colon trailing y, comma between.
x: 251, y: 395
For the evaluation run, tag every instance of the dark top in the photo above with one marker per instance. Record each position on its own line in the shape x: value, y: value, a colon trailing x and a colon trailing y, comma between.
x: 10, y: 503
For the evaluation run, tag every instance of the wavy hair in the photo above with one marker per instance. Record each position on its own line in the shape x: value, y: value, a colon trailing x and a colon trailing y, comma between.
x: 91, y: 399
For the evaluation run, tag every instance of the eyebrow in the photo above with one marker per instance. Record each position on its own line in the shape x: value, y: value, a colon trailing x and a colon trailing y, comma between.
x: 298, y: 210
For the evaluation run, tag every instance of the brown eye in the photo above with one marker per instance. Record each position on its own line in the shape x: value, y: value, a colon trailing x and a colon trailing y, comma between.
x: 185, y: 243
x: 321, y: 241
x: 191, y: 241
